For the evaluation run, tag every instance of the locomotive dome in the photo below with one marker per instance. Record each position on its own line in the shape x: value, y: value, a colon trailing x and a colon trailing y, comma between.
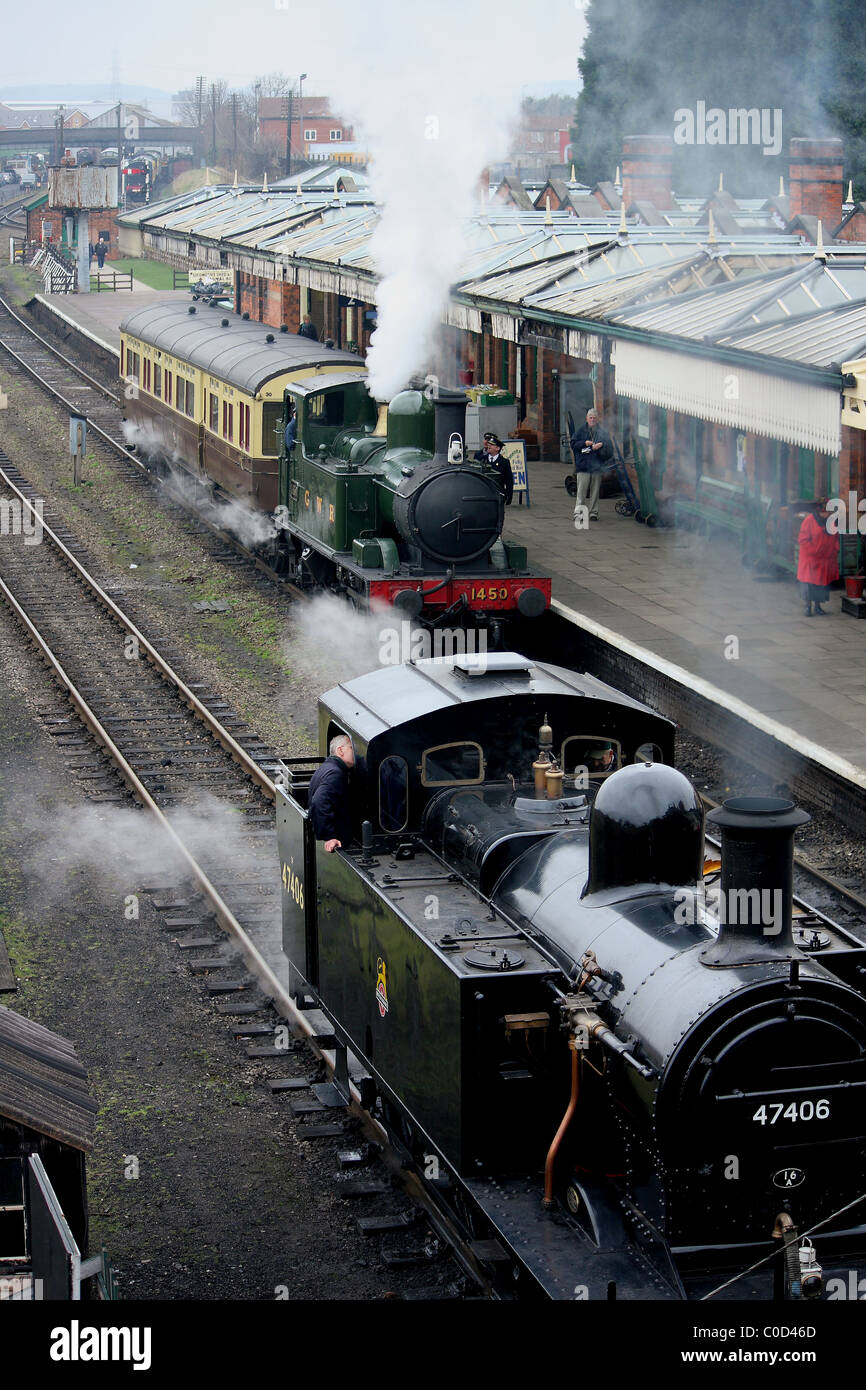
x: 646, y: 826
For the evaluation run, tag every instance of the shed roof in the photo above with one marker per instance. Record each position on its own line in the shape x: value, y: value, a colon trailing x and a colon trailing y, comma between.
x: 238, y: 354
x: 42, y: 1083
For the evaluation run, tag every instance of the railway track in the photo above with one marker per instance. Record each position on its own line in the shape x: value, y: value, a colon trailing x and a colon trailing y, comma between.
x: 80, y: 393
x: 208, y: 783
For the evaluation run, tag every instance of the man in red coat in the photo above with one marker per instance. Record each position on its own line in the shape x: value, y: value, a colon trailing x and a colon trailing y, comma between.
x: 818, y: 564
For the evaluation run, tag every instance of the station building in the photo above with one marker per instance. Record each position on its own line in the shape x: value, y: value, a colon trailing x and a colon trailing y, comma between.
x: 715, y: 335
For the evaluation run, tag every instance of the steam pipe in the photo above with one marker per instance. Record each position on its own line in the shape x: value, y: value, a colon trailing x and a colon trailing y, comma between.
x: 563, y: 1127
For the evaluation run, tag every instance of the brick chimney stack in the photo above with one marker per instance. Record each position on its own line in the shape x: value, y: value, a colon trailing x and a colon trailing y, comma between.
x: 646, y: 170
x: 815, y: 180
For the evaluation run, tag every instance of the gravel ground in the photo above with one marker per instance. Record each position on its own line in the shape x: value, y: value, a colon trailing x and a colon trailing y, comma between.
x: 824, y: 842
x: 228, y: 1202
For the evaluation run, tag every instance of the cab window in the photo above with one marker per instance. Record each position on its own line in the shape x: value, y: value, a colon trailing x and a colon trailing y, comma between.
x: 452, y: 764
x: 649, y: 753
x: 590, y: 756
x: 393, y: 793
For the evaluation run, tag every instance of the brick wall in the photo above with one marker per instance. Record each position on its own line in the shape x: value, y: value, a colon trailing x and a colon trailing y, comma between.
x: 855, y: 227
x: 815, y: 180
x: 99, y: 221
x: 647, y: 162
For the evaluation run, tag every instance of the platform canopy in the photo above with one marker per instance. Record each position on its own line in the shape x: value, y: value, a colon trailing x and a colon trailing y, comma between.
x: 755, y: 402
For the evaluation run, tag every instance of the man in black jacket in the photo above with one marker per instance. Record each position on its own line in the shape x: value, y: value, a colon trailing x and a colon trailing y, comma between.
x: 492, y: 454
x: 308, y: 329
x: 593, y: 450
x: 328, y: 802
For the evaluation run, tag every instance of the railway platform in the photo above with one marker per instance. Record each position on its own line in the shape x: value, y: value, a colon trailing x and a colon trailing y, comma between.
x: 672, y: 601
x: 99, y: 315
x: 685, y: 605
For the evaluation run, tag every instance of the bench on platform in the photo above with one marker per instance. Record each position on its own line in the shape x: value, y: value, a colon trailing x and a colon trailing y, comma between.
x: 725, y: 506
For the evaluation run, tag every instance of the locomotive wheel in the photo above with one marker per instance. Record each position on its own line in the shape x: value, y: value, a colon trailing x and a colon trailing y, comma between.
x: 573, y: 1199
x: 650, y: 520
x: 639, y: 516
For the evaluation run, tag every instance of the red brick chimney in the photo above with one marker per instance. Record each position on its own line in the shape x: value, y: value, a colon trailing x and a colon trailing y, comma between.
x: 646, y: 170
x: 815, y: 180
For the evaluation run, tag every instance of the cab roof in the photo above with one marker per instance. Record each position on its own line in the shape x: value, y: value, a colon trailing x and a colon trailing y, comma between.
x: 391, y: 696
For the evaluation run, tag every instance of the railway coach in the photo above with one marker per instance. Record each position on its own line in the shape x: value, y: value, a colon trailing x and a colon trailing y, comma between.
x: 207, y: 390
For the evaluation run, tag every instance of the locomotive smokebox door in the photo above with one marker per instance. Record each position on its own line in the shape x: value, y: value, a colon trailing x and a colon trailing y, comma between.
x: 298, y: 878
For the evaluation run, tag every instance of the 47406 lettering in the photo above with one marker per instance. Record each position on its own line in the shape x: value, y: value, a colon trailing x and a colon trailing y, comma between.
x: 293, y: 884
x: 802, y: 1110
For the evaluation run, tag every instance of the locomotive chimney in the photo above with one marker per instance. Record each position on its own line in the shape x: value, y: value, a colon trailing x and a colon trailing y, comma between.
x: 756, y: 887
x: 450, y: 418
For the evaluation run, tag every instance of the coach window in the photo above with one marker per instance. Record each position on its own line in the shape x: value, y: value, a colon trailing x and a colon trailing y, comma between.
x: 452, y: 765
x: 190, y: 398
x: 393, y: 794
x: 214, y: 413
x: 157, y: 379
x: 271, y: 414
x: 169, y: 380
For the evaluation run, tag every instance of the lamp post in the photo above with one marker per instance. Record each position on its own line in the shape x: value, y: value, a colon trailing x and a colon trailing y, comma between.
x: 301, y: 81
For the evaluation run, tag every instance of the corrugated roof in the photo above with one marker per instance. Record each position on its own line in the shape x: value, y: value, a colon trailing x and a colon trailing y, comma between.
x: 238, y: 354
x: 42, y: 1083
x: 821, y: 340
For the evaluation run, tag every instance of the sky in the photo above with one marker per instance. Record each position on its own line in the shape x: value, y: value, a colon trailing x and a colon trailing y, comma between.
x: 240, y: 42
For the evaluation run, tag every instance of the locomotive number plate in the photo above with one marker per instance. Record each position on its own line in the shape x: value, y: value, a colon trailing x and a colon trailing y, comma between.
x: 488, y: 593
x: 794, y: 1110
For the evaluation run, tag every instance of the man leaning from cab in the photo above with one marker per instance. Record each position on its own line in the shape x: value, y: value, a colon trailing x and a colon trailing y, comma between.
x: 329, y: 798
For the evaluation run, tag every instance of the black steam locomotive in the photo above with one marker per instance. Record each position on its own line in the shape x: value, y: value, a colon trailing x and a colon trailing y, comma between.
x: 622, y: 1084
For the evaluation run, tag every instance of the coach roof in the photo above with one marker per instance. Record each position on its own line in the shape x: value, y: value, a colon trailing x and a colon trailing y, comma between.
x: 239, y: 354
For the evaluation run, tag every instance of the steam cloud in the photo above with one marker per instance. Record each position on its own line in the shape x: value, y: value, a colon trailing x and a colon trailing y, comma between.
x: 434, y: 117
x: 252, y: 528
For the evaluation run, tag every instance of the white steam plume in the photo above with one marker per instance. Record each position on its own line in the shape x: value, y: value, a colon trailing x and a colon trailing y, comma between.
x: 434, y: 90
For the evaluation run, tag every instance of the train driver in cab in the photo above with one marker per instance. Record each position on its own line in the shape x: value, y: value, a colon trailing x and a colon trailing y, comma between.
x: 600, y: 759
x: 291, y: 429
x: 329, y: 797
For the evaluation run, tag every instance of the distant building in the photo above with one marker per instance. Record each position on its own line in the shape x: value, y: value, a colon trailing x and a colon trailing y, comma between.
x: 313, y: 123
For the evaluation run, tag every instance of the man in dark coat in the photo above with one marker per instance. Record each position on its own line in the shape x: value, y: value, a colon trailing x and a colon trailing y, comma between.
x: 593, y: 450
x: 492, y: 454
x: 329, y: 802
x: 308, y: 329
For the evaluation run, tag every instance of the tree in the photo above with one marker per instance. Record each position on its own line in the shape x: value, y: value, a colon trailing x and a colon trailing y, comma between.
x: 641, y: 64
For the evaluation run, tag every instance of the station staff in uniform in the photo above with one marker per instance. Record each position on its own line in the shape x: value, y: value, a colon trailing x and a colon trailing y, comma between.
x: 492, y: 454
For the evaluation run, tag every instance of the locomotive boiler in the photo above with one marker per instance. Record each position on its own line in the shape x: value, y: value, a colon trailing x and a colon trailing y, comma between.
x: 633, y: 1087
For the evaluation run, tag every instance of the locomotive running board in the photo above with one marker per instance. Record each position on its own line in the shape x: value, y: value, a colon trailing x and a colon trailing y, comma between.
x: 560, y: 1256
